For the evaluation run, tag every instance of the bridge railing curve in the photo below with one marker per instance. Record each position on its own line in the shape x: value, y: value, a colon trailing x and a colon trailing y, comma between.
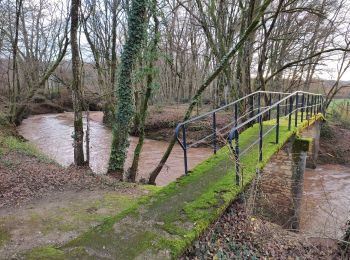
x: 299, y: 103
x: 243, y: 108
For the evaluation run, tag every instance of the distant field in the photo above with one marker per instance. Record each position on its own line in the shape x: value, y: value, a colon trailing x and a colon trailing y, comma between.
x: 339, y: 101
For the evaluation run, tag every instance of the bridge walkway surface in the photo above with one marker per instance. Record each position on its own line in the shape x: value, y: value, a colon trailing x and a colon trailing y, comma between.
x: 164, y: 224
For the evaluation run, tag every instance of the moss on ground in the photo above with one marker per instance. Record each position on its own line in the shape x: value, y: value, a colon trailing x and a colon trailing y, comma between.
x: 9, y: 143
x: 165, y: 224
x: 4, y: 235
x: 43, y: 253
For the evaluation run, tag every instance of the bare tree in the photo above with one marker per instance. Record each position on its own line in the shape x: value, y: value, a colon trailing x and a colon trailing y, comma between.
x: 78, y: 136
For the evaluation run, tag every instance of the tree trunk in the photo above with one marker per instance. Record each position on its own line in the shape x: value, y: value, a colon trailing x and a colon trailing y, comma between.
x: 125, y: 108
x: 15, y: 80
x: 144, y: 107
x: 76, y: 87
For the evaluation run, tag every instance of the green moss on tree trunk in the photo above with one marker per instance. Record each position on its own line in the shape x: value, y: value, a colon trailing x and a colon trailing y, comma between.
x: 125, y: 107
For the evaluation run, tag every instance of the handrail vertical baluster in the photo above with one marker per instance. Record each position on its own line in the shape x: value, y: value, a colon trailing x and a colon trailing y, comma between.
x: 214, y: 132
x: 184, y: 148
x: 307, y: 106
x: 286, y: 107
x: 270, y: 103
x: 278, y: 120
x: 237, y: 156
x: 290, y: 112
x: 260, y: 138
x: 296, y: 109
x: 236, y: 114
x: 302, y: 107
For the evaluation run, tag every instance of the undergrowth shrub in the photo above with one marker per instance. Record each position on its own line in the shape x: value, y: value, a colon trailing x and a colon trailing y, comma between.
x: 327, y: 131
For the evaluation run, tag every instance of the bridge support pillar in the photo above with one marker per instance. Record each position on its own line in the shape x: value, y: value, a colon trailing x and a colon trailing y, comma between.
x: 280, y: 185
x: 313, y: 132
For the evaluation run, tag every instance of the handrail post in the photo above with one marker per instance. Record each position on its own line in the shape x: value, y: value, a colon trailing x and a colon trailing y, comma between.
x: 184, y: 148
x: 259, y: 102
x: 278, y: 120
x: 260, y: 138
x: 296, y: 109
x: 302, y: 107
x: 270, y: 103
x: 286, y: 107
x: 307, y: 105
x: 236, y: 114
x: 290, y: 112
x: 311, y: 105
x: 237, y: 156
x: 214, y: 132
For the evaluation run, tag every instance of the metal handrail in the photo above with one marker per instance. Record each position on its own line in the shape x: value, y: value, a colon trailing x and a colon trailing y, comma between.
x: 316, y: 106
x: 182, y: 125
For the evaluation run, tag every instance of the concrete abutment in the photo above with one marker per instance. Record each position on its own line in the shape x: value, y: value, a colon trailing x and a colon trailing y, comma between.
x: 280, y: 185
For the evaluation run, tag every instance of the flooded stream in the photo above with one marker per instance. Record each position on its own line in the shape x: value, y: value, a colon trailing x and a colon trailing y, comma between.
x: 326, y: 201
x: 51, y: 133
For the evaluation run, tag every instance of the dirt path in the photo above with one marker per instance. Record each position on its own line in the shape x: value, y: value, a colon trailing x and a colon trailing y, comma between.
x: 58, y: 218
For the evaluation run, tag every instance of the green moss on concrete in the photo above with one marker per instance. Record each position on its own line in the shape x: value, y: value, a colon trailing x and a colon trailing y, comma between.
x: 302, y: 144
x: 45, y: 253
x: 170, y: 219
x: 4, y: 236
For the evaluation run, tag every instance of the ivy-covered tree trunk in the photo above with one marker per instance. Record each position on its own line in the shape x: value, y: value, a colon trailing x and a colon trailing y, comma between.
x: 78, y: 135
x: 132, y: 174
x: 125, y: 106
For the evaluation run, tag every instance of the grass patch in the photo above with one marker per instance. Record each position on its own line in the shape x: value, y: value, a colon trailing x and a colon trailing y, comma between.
x: 9, y: 143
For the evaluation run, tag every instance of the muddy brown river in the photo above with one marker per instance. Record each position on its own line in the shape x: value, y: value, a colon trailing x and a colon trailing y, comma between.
x: 51, y: 133
x: 326, y: 201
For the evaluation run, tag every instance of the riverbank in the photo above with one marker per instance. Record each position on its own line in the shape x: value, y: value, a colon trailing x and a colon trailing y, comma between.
x: 335, y: 143
x: 239, y: 234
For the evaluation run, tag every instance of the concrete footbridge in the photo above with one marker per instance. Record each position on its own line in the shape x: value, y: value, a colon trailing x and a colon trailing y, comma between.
x: 271, y: 138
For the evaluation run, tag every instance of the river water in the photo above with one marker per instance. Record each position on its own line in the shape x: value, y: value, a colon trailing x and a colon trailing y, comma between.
x: 51, y: 133
x: 326, y: 201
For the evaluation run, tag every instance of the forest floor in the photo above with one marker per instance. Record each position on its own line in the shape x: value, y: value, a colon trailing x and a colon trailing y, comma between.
x: 240, y: 235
